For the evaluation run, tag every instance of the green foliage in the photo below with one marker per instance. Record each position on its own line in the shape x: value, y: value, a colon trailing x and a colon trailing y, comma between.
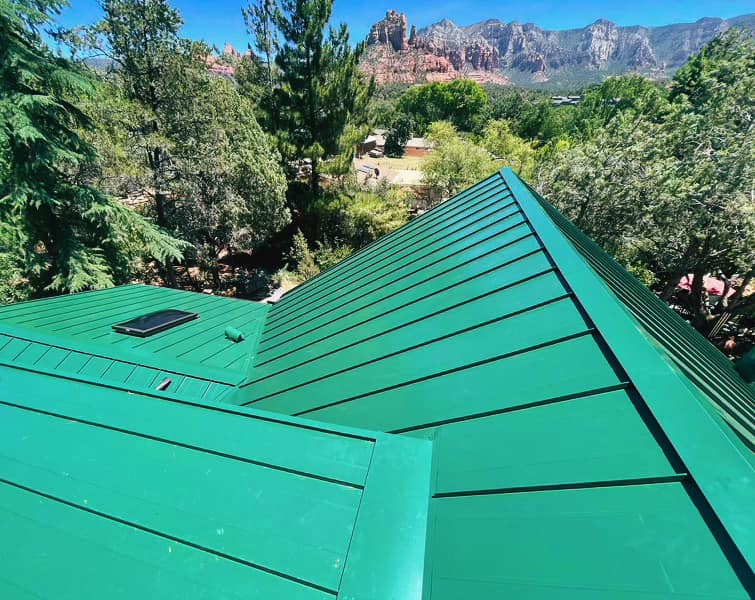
x: 397, y: 136
x: 512, y: 103
x: 229, y: 191
x: 121, y: 168
x: 383, y: 105
x: 251, y: 76
x: 510, y: 148
x: 307, y: 263
x: 530, y: 114
x: 153, y: 68
x: 318, y: 87
x: 68, y: 236
x: 355, y: 217
x: 302, y: 258
x: 665, y: 182
x: 455, y: 163
x: 362, y: 217
x: 329, y: 255
x: 261, y: 25
x: 13, y: 287
x: 342, y: 163
x: 463, y: 102
x: 189, y: 140
x: 623, y: 95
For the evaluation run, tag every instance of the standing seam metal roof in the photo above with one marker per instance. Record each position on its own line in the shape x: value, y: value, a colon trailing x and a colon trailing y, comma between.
x: 111, y: 494
x: 583, y: 445
x: 481, y: 326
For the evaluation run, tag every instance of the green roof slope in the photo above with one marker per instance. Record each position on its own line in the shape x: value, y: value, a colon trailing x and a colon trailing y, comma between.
x: 703, y: 364
x: 111, y: 494
x: 71, y: 336
x: 573, y: 459
x: 584, y: 443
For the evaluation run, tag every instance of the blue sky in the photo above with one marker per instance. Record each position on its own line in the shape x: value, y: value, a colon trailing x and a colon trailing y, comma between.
x: 220, y: 20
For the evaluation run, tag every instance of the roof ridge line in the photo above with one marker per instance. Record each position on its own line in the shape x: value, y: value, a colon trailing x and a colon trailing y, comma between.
x: 694, y: 430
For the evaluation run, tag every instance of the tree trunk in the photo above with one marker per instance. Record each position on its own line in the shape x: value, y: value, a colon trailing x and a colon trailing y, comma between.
x: 698, y: 296
x: 673, y: 281
x: 731, y: 303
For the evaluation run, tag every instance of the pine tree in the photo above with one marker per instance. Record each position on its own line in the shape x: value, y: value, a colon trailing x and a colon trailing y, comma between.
x: 67, y: 236
x: 317, y: 86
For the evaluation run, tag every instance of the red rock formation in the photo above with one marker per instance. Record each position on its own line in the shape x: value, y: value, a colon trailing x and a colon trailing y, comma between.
x: 391, y: 30
x: 394, y: 57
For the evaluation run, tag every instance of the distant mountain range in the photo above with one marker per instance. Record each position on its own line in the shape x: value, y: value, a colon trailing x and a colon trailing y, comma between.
x: 495, y: 51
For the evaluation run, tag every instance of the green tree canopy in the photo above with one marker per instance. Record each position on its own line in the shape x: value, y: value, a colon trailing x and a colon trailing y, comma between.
x: 228, y: 187
x: 619, y: 95
x: 668, y: 185
x: 318, y: 88
x: 216, y: 178
x: 463, y: 102
x: 454, y: 163
x: 515, y: 152
x: 398, y: 135
x: 66, y: 235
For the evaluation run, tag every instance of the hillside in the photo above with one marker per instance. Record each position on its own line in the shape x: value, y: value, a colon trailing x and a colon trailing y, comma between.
x: 500, y: 52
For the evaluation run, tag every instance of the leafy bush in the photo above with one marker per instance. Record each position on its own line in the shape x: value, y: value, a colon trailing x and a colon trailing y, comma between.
x: 355, y: 218
x: 463, y: 102
x: 13, y: 287
x: 455, y: 163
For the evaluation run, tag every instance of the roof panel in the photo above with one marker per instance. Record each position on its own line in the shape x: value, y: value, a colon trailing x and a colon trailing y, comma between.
x: 284, y: 498
x: 601, y: 437
x: 82, y: 323
x: 705, y: 365
x: 52, y: 551
x: 201, y: 498
x: 378, y: 339
x: 527, y: 389
x: 641, y: 541
x: 573, y: 458
x: 458, y: 285
x: 533, y: 376
x: 429, y: 261
x: 505, y: 335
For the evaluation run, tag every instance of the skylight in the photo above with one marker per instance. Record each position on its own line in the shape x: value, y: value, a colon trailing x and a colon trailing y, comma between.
x: 155, y: 322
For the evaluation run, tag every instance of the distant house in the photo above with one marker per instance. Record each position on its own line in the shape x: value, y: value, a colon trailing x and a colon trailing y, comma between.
x: 566, y: 100
x: 374, y: 141
x: 369, y: 143
x: 418, y: 146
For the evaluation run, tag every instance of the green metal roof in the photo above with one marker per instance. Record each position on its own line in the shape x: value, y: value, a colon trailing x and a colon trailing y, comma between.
x: 111, y: 494
x: 586, y: 443
x: 72, y: 336
x: 573, y: 457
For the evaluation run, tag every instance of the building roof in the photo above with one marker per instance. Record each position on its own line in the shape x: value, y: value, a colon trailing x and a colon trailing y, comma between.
x: 111, y: 494
x: 583, y: 434
x: 73, y: 337
x: 418, y: 142
x: 586, y: 442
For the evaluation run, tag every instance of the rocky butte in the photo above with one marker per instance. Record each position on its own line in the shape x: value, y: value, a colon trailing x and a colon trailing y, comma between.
x: 500, y: 52
x: 396, y: 54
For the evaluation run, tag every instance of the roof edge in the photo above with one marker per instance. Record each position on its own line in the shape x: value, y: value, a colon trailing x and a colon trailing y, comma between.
x: 382, y: 564
x: 695, y: 432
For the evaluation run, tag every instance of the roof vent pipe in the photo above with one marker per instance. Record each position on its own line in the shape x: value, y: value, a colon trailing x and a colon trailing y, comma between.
x: 234, y: 334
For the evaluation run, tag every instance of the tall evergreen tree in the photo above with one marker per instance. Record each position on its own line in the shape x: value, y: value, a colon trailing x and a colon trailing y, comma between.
x: 153, y: 65
x: 216, y: 177
x: 67, y: 236
x: 318, y: 87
